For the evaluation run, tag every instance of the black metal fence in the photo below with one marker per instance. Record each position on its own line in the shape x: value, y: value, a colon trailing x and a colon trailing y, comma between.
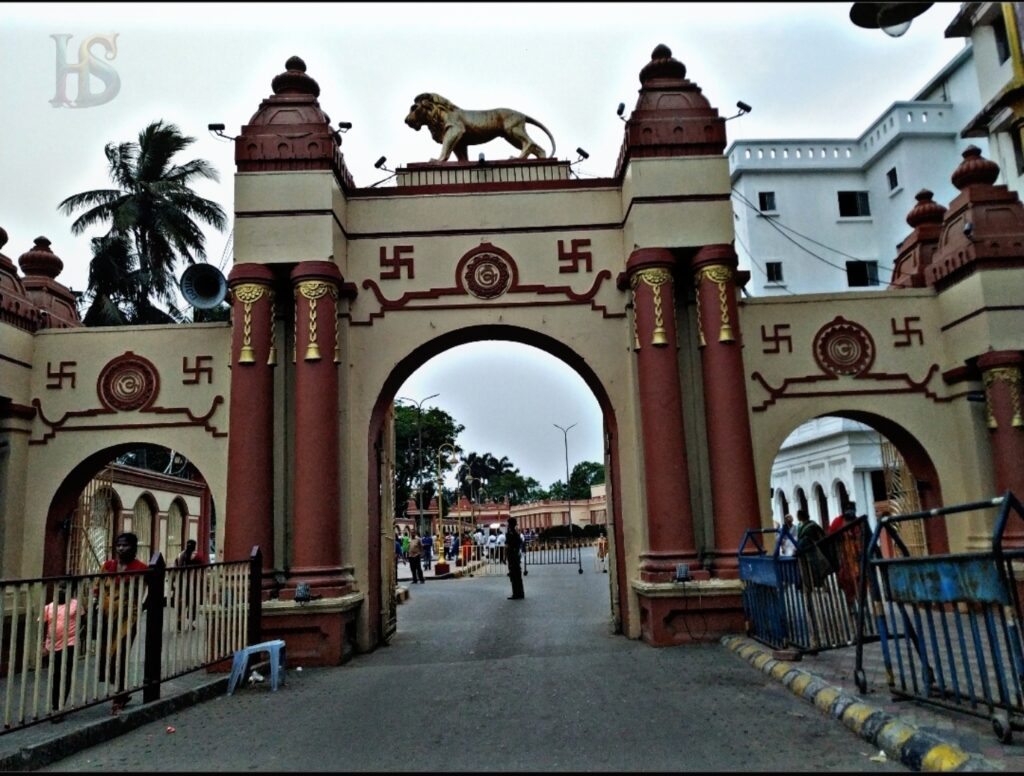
x: 67, y: 643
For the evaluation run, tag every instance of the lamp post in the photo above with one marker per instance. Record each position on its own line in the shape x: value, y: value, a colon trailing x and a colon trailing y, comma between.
x: 419, y: 450
x: 442, y: 565
x: 568, y: 492
x: 472, y: 515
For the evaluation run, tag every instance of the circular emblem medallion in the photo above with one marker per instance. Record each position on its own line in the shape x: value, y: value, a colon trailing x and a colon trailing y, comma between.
x: 844, y: 348
x: 487, y: 275
x: 128, y: 382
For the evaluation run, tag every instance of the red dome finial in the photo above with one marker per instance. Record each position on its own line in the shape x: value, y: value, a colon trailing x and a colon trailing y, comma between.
x: 40, y: 261
x: 662, y: 65
x: 926, y: 211
x: 974, y: 169
x: 294, y: 80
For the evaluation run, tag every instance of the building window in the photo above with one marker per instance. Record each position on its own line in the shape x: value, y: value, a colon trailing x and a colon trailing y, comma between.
x: 861, y: 273
x: 1018, y: 149
x: 774, y: 271
x: 766, y: 201
x: 893, y: 179
x: 853, y: 203
x: 1002, y: 41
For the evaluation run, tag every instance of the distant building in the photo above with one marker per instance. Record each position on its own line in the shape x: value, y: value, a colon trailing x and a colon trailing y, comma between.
x: 536, y: 515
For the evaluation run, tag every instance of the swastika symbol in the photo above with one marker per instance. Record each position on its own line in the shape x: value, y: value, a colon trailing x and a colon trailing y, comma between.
x: 908, y: 332
x: 570, y: 260
x: 779, y: 336
x: 64, y: 372
x: 402, y: 258
x: 201, y: 369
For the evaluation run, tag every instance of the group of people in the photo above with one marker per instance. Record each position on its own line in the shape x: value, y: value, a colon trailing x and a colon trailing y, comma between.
x: 114, y: 619
x: 504, y: 546
x: 802, y: 540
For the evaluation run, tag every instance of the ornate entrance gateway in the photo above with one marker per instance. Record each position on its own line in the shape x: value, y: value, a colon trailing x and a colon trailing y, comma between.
x: 340, y: 293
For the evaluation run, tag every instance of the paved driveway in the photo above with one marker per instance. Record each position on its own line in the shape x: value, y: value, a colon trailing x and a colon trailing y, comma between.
x: 475, y: 682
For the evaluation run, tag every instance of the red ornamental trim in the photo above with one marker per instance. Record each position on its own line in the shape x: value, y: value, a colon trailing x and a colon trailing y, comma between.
x: 487, y: 276
x: 127, y: 383
x: 844, y: 348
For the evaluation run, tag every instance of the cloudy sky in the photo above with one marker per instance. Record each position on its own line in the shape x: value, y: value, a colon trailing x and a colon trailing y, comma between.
x: 806, y: 70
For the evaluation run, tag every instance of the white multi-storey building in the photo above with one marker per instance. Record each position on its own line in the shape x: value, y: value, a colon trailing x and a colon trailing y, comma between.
x: 822, y: 215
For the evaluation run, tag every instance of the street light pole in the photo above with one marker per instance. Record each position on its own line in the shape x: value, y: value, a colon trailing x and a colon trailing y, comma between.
x: 568, y: 493
x: 441, y: 560
x: 419, y: 451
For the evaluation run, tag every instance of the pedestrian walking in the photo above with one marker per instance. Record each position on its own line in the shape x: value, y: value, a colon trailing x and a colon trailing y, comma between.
x: 60, y: 618
x: 787, y: 537
x: 514, y: 548
x: 119, y: 615
x: 602, y: 552
x: 427, y: 543
x: 185, y: 600
x: 414, y: 554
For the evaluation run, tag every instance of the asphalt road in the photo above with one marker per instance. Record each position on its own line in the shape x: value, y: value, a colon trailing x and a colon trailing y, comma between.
x: 475, y: 682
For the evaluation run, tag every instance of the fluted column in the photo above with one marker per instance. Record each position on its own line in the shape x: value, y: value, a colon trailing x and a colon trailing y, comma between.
x: 249, y: 516
x: 730, y: 449
x: 316, y: 531
x: 1001, y: 372
x: 670, y: 535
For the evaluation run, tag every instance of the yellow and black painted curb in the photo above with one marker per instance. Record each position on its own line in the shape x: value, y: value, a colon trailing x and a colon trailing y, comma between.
x: 900, y: 741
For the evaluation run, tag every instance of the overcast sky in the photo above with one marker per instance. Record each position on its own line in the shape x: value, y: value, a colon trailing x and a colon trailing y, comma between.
x: 806, y: 70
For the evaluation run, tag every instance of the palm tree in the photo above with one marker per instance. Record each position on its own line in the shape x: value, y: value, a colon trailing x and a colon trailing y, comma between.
x: 152, y: 217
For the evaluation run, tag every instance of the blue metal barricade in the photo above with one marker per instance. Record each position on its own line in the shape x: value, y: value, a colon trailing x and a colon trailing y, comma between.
x: 950, y: 624
x: 809, y: 601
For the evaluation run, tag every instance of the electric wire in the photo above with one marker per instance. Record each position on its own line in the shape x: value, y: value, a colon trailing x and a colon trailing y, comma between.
x: 759, y: 267
x: 779, y: 228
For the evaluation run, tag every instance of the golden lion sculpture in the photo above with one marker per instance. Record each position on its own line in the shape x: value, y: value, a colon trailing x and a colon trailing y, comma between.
x: 457, y: 129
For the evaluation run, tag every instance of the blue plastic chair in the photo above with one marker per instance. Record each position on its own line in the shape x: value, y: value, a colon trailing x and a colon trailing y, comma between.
x: 276, y: 651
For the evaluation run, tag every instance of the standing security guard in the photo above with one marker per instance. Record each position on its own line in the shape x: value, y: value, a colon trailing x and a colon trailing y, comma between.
x: 514, y: 547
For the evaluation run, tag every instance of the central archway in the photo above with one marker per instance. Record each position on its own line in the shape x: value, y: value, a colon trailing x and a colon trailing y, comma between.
x: 434, y: 347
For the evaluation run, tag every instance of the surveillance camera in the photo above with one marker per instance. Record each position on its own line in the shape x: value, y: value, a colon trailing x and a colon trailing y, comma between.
x: 583, y: 154
x: 621, y: 109
x: 344, y: 126
x: 968, y: 229
x: 216, y: 127
x: 743, y: 106
x: 380, y: 162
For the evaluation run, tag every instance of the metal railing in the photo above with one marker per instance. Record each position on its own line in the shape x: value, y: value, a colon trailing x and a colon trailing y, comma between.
x: 67, y: 643
x: 950, y: 625
x: 809, y: 601
x: 554, y: 553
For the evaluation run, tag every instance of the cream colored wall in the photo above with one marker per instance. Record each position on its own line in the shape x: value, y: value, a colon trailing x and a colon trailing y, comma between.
x: 51, y: 462
x: 951, y: 432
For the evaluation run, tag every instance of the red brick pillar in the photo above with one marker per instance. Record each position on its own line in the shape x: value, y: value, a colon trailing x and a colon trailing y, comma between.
x: 670, y: 536
x: 316, y: 530
x: 249, y: 518
x: 1001, y: 371
x: 730, y: 450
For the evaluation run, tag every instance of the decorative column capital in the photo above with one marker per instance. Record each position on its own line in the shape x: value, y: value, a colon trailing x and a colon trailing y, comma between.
x: 716, y: 264
x: 314, y: 280
x: 646, y: 258
x: 249, y: 283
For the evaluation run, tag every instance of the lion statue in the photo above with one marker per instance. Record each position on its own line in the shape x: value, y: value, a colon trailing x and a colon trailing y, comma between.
x: 457, y: 129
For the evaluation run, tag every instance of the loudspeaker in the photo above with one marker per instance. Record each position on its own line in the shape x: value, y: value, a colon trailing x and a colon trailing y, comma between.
x: 203, y: 286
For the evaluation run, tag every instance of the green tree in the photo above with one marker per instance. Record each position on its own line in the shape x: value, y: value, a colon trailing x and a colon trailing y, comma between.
x: 152, y: 217
x: 437, y: 428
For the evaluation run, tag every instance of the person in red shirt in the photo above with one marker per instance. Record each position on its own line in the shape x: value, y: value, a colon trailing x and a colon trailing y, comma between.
x: 848, y: 516
x: 118, y: 605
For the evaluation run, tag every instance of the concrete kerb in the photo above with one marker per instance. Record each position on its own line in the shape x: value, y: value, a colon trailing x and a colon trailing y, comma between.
x: 70, y: 739
x: 900, y: 741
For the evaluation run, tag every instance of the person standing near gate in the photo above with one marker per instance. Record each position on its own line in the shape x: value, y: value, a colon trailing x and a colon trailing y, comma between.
x: 514, y: 548
x: 60, y: 618
x: 602, y: 552
x: 427, y: 544
x: 414, y: 552
x: 119, y: 615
